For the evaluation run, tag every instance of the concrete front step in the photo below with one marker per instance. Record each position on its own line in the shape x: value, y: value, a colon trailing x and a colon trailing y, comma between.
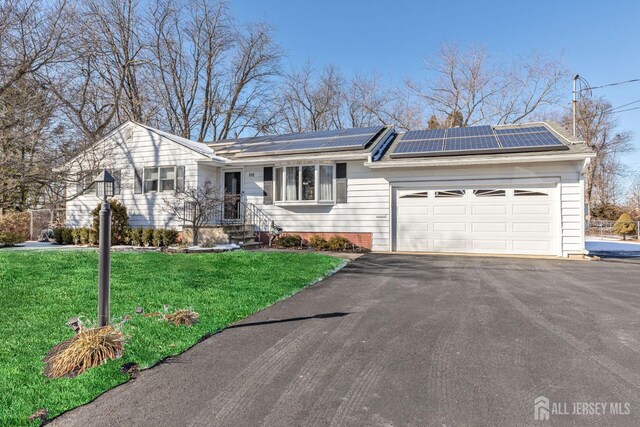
x: 251, y: 245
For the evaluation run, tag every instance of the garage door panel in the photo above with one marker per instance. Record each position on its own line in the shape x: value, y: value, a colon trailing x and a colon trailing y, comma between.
x: 489, y: 210
x: 489, y: 245
x: 495, y: 221
x: 489, y: 227
x: 528, y: 209
x: 449, y: 226
x: 449, y: 210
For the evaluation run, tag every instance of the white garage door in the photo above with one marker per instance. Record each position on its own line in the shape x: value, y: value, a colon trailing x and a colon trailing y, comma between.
x: 476, y: 220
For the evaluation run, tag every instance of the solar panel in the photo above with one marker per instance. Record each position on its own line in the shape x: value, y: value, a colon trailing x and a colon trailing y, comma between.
x: 310, y: 135
x: 472, y: 143
x: 424, y: 146
x: 502, y: 131
x: 470, y: 131
x: 324, y: 140
x: 423, y: 134
x: 484, y: 139
x: 538, y: 139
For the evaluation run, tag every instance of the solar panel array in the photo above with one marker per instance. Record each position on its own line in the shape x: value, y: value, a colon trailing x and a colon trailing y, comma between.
x: 339, y: 139
x: 476, y: 139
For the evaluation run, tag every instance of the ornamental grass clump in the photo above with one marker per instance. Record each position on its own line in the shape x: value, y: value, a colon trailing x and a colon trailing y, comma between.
x: 182, y: 317
x: 89, y: 348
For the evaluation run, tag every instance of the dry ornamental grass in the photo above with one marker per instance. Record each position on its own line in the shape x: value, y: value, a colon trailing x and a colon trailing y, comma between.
x: 87, y: 349
x: 183, y: 317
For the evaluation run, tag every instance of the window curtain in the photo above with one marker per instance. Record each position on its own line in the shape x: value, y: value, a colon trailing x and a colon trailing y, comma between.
x: 291, y: 190
x: 326, y: 183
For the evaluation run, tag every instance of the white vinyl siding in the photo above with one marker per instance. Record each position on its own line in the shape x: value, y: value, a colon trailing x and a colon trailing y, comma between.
x: 136, y: 147
x: 369, y: 207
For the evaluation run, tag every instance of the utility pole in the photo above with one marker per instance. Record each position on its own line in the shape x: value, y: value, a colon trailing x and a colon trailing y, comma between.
x: 575, y: 102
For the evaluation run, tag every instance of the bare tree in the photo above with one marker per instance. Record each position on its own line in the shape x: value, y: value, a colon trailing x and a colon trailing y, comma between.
x: 188, y: 48
x: 31, y: 35
x: 212, y: 79
x: 195, y: 205
x: 256, y: 60
x: 98, y: 84
x: 597, y: 126
x: 310, y: 100
x: 633, y: 198
x: 468, y: 88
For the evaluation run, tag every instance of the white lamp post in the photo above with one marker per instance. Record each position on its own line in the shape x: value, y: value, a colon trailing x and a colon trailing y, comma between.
x: 105, y: 188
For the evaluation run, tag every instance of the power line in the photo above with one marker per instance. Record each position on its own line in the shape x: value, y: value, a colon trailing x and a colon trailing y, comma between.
x: 608, y: 85
x: 628, y: 109
x: 625, y: 105
x: 612, y: 110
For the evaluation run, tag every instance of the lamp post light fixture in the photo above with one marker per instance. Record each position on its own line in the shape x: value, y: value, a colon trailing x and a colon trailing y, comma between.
x: 105, y: 189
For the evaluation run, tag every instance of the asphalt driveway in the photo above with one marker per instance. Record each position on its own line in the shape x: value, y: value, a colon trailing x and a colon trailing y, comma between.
x: 410, y: 340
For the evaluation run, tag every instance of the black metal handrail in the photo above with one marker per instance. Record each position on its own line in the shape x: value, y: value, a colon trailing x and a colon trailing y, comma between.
x: 233, y: 210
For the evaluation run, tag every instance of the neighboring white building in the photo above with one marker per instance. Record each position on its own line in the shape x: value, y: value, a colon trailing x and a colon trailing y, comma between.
x: 501, y: 190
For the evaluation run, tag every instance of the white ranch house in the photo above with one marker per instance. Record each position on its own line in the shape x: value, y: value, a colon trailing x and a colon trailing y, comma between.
x: 516, y: 189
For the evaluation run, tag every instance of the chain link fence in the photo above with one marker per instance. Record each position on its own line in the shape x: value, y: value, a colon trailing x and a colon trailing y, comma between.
x: 43, y: 219
x: 604, y: 228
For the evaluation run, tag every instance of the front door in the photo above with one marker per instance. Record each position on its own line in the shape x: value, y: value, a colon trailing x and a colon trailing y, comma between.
x: 232, y: 192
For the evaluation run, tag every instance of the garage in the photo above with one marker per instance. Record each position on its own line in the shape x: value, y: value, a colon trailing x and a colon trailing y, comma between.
x: 477, y: 219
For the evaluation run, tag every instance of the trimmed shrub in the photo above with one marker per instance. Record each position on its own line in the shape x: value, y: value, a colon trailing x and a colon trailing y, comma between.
x: 147, y: 237
x: 606, y: 211
x: 57, y: 235
x: 290, y: 241
x: 84, y: 236
x: 339, y: 243
x: 14, y: 228
x: 119, y: 222
x: 169, y: 236
x: 624, y: 226
x: 75, y: 236
x: 318, y: 242
x: 67, y: 236
x: 8, y: 238
x: 135, y: 236
x: 92, y: 237
x: 157, y: 238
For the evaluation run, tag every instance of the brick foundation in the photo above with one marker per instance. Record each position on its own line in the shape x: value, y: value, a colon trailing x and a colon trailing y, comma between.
x: 359, y: 239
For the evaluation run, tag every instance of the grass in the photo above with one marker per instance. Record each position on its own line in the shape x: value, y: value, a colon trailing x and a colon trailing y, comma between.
x: 41, y: 290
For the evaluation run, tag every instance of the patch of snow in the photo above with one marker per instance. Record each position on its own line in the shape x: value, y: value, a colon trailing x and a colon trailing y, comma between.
x: 601, y: 245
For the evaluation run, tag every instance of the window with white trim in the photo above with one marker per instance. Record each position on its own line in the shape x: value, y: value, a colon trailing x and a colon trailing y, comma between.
x: 168, y: 179
x: 304, y: 183
x: 159, y: 179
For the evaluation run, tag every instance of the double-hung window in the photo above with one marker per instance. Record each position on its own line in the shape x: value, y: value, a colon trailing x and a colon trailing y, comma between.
x: 159, y: 179
x: 305, y: 183
x: 150, y: 180
x: 168, y: 179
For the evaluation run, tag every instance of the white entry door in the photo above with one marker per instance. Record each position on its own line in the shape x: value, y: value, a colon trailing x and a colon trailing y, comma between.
x: 477, y: 220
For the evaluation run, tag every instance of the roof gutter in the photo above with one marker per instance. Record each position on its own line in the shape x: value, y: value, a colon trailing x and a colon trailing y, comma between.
x: 387, y: 164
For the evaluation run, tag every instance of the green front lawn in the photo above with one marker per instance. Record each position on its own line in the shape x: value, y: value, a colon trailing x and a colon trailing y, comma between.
x: 41, y: 290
